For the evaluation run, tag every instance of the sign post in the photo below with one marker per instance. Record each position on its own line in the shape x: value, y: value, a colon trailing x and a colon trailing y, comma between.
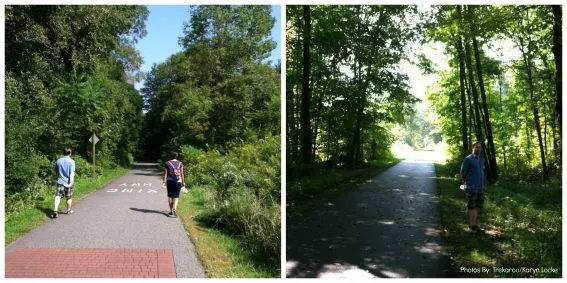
x: 94, y: 140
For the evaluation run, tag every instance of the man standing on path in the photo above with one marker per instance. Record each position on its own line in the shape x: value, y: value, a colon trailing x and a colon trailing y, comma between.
x: 472, y: 176
x: 65, y: 169
x: 174, y: 178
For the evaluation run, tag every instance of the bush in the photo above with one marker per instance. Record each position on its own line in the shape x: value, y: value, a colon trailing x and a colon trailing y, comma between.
x: 41, y: 181
x: 243, y: 214
x: 243, y: 191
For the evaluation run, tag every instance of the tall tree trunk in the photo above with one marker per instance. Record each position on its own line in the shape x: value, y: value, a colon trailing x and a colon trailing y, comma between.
x: 528, y: 139
x: 545, y: 135
x: 558, y: 57
x: 329, y: 136
x: 354, y: 151
x: 555, y: 149
x: 550, y: 79
x: 317, y: 118
x: 292, y: 134
x: 306, y: 94
x: 464, y: 134
x: 491, y: 153
x: 472, y: 118
x: 528, y: 64
x: 468, y: 61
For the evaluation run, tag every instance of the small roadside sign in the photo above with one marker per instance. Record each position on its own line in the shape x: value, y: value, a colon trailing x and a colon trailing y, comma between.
x: 93, y: 139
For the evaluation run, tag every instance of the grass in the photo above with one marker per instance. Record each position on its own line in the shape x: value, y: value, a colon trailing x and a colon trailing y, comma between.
x: 222, y: 255
x: 28, y: 218
x: 309, y: 192
x: 522, y: 225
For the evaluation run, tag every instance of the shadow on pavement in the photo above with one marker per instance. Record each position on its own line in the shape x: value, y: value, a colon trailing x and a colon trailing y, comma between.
x: 156, y: 173
x: 148, y: 211
x: 387, y: 228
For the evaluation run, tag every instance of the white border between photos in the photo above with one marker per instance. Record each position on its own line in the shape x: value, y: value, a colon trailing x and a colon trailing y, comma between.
x: 283, y: 168
x: 283, y: 108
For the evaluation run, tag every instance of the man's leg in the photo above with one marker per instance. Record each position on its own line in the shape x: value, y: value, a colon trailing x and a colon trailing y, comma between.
x: 472, y: 216
x: 69, y: 205
x: 56, y: 203
x: 69, y: 196
x: 175, y: 202
x: 58, y: 194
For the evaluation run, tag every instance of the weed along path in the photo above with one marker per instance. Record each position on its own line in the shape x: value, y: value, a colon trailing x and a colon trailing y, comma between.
x: 121, y: 230
x: 388, y: 227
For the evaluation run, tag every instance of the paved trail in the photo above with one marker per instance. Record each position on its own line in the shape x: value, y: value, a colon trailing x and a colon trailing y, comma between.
x: 121, y: 230
x: 388, y: 227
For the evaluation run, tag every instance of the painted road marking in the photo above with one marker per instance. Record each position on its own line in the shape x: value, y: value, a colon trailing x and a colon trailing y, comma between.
x: 133, y: 188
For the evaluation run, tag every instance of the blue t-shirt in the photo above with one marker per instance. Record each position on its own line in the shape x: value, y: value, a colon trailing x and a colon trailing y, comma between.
x: 64, y: 167
x: 473, y: 168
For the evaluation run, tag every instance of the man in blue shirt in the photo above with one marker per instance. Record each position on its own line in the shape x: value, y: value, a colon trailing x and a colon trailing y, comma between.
x: 65, y: 169
x: 472, y: 176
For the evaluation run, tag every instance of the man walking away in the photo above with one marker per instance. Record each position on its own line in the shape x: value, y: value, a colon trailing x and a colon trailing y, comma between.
x: 472, y: 176
x: 174, y: 178
x: 65, y: 169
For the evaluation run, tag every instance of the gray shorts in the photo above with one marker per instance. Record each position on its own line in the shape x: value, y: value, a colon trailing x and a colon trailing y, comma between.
x: 67, y: 192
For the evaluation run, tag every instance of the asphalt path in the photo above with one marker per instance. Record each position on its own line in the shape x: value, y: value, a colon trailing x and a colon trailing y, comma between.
x: 387, y: 227
x: 131, y: 212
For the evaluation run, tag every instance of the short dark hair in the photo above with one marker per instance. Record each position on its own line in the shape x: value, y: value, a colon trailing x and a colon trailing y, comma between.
x: 174, y: 155
x: 67, y: 151
x: 476, y: 142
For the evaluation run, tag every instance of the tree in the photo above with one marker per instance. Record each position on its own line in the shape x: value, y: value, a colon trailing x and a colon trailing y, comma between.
x: 306, y: 94
x: 217, y: 92
x: 356, y: 93
x: 67, y: 68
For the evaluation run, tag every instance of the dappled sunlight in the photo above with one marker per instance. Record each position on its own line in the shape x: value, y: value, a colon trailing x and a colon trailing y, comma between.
x: 375, y: 230
x: 430, y: 248
x: 341, y: 271
x: 432, y: 232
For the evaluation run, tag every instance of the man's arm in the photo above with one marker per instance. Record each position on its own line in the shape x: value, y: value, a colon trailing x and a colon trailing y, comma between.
x: 71, y: 179
x: 464, y: 169
x: 165, y: 176
x: 182, y: 175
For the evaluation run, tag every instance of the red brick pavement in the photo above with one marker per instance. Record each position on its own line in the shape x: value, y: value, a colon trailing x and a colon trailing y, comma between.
x: 86, y: 263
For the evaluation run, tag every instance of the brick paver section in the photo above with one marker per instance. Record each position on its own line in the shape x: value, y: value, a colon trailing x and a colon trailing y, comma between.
x: 89, y: 263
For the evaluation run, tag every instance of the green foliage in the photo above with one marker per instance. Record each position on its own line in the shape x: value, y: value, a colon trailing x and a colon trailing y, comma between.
x: 357, y: 93
x: 238, y: 32
x: 243, y: 191
x: 216, y: 92
x: 67, y: 69
x: 522, y: 222
x: 509, y: 101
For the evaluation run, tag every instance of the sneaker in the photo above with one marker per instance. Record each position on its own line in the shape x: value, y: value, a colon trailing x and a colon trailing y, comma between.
x: 174, y: 213
x: 70, y: 211
x: 475, y: 229
x: 170, y: 213
x: 54, y: 215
